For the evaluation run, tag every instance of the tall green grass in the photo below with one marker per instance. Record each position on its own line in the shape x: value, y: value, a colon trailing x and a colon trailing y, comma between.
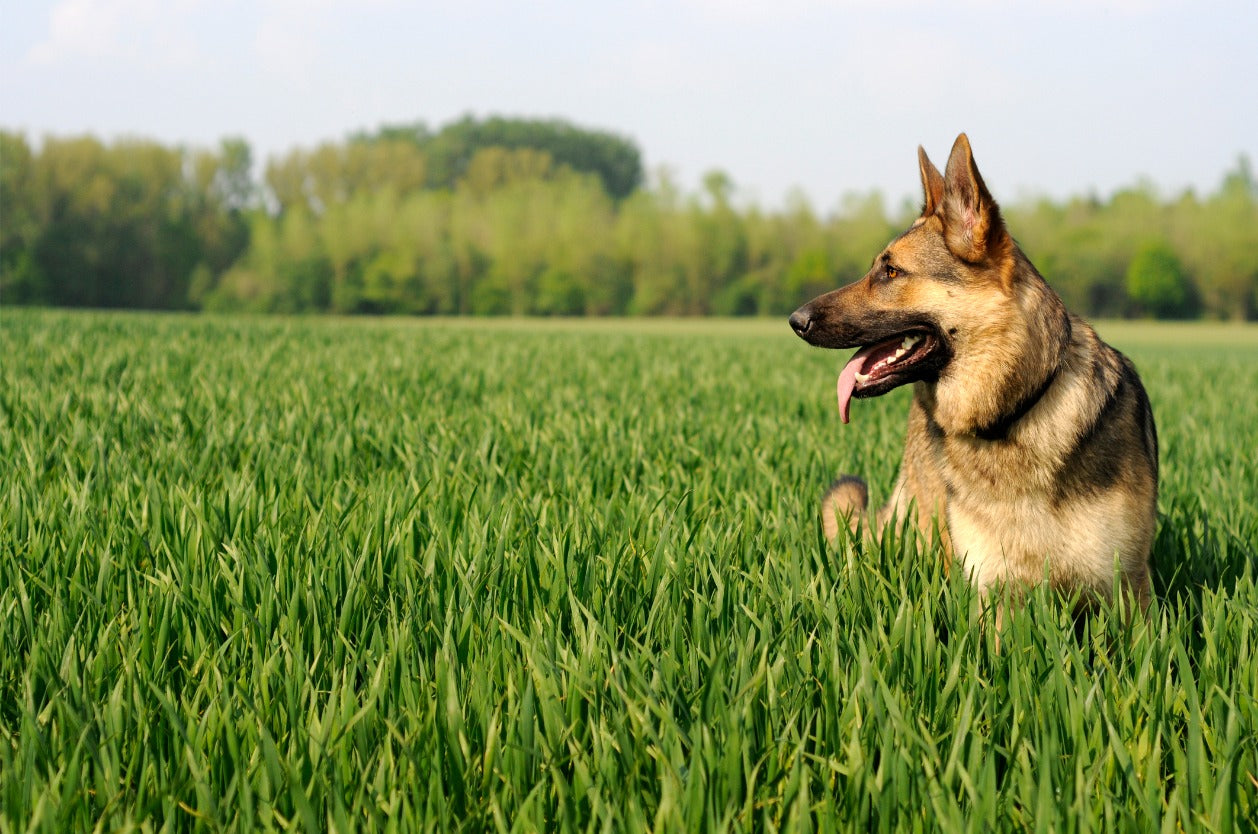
x: 262, y: 574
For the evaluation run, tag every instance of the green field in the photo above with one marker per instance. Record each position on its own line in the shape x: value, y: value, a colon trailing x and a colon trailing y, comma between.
x: 486, y: 575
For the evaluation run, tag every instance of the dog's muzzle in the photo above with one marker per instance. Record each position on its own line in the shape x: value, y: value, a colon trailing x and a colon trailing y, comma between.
x: 801, y: 321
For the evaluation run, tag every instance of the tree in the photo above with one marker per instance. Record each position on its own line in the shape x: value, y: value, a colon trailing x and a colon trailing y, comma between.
x: 232, y: 185
x: 614, y: 159
x: 21, y: 278
x: 493, y: 168
x: 1158, y: 284
x: 1218, y: 239
x: 332, y: 173
x: 536, y: 217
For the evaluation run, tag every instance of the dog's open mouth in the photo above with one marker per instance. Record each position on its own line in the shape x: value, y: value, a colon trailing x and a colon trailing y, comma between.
x: 876, y: 369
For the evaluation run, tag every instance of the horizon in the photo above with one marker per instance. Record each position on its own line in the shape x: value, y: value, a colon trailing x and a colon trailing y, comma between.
x: 894, y: 204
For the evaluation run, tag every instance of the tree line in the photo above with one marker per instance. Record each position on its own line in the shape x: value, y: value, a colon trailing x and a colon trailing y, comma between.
x: 536, y: 217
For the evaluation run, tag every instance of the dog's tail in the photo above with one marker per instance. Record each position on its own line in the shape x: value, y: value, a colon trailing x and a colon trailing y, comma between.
x: 844, y: 502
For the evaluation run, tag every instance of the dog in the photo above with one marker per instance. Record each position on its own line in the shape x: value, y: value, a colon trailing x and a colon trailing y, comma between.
x: 1029, y: 439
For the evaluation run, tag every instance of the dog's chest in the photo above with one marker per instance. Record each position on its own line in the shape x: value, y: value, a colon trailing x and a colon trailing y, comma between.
x: 1005, y: 524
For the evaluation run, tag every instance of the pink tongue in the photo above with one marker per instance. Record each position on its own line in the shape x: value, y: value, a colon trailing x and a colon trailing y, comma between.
x: 847, y: 379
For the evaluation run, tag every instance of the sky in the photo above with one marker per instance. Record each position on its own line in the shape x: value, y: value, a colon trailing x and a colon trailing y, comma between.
x: 823, y: 97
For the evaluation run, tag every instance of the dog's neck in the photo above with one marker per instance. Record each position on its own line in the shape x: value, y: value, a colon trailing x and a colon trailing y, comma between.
x: 1007, y: 369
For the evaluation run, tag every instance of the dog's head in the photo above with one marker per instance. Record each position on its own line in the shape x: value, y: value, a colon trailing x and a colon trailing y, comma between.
x: 929, y: 292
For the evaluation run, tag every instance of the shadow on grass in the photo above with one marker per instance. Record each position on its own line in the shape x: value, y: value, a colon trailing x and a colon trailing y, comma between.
x: 1199, y: 553
x: 1195, y: 552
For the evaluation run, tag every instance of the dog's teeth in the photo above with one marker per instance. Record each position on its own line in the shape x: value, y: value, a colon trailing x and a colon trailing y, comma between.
x: 862, y: 377
x: 904, y: 348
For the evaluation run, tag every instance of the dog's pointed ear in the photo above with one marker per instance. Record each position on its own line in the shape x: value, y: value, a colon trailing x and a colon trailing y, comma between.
x: 932, y: 183
x: 973, y: 228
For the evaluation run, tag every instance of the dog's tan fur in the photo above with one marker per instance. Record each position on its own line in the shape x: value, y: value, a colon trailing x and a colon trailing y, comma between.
x: 1033, y: 441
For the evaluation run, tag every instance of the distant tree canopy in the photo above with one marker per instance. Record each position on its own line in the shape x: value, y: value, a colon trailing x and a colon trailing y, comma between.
x: 613, y: 159
x: 1157, y: 283
x: 133, y: 224
x: 507, y: 216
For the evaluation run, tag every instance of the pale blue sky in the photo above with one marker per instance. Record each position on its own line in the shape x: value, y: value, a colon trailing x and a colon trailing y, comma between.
x: 830, y: 96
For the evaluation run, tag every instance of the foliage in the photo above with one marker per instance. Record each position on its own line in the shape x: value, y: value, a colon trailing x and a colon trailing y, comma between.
x: 508, y: 216
x: 333, y: 173
x: 1158, y: 284
x: 1085, y: 247
x: 294, y: 574
x: 615, y: 161
x: 124, y: 225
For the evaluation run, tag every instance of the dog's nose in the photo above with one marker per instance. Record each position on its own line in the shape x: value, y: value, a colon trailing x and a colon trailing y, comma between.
x: 801, y: 321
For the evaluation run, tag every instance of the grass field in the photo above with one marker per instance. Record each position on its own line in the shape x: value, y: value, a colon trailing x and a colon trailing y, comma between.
x: 494, y: 575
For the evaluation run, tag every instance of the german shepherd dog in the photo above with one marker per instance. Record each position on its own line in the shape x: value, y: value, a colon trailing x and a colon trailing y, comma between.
x: 1029, y: 439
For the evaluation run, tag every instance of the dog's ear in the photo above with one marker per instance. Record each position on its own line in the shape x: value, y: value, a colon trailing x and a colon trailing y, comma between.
x: 932, y: 183
x: 973, y: 228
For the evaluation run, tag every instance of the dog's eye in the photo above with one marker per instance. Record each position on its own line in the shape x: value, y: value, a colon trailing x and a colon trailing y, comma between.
x: 892, y: 272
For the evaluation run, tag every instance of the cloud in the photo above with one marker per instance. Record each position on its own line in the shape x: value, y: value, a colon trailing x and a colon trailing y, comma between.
x: 291, y: 36
x: 287, y: 36
x: 146, y: 31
